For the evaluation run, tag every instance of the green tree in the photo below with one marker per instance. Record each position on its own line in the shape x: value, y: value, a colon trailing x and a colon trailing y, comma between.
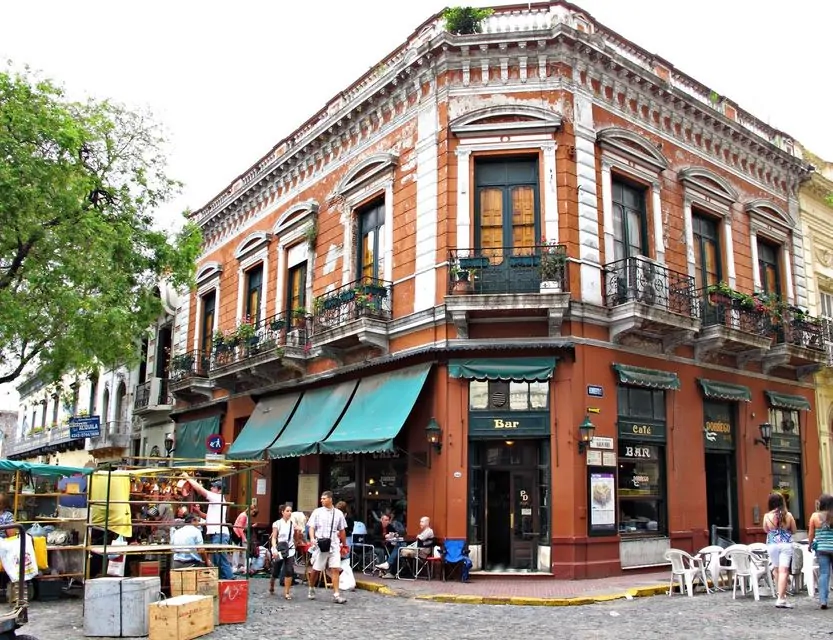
x: 79, y: 256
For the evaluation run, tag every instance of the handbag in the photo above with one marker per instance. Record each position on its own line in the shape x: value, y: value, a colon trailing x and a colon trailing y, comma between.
x: 324, y: 544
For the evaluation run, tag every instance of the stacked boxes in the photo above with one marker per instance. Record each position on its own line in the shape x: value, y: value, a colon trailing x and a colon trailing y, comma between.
x: 199, y: 581
x: 115, y: 607
x: 181, y: 618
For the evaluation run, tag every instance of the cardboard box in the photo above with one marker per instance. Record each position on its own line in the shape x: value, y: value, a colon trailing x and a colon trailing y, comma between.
x: 181, y: 618
x: 201, y: 581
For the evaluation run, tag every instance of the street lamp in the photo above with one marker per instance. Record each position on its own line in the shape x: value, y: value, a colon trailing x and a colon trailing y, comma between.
x: 434, y: 435
x: 766, y: 435
x: 585, y: 434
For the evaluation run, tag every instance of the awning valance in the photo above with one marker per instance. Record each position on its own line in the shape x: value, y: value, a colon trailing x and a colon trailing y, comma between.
x: 787, y: 401
x: 263, y: 427
x: 519, y: 369
x: 725, y: 391
x: 316, y: 415
x: 39, y: 469
x: 651, y: 378
x: 191, y: 436
x: 377, y: 412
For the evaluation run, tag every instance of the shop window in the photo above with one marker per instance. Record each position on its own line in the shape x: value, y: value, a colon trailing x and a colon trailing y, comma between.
x: 506, y: 205
x: 641, y: 402
x: 768, y: 268
x: 254, y: 286
x: 500, y: 395
x: 544, y: 491
x: 372, y: 241
x: 786, y: 480
x: 784, y: 421
x: 641, y: 488
x: 386, y: 483
x: 707, y: 269
x: 342, y: 480
x: 209, y: 307
x: 786, y: 459
x: 296, y: 295
x: 630, y: 220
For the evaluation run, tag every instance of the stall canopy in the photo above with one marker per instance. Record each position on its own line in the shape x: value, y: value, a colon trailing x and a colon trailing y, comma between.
x: 377, y: 412
x: 787, y: 401
x: 263, y: 427
x: 519, y: 369
x: 651, y: 378
x: 191, y: 436
x: 316, y: 415
x: 37, y: 469
x: 725, y: 391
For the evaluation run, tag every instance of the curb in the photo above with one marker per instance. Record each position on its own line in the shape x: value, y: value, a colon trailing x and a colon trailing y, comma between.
x: 637, y: 592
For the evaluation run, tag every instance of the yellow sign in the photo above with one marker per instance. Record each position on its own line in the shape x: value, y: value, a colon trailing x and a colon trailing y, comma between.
x: 719, y: 427
x: 505, y: 424
x: 641, y: 429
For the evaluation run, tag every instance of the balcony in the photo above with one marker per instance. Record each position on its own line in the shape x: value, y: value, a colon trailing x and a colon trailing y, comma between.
x: 114, y: 435
x: 514, y: 283
x: 44, y: 440
x: 352, y: 316
x: 800, y: 343
x: 153, y: 398
x: 649, y: 304
x: 260, y: 353
x: 732, y: 328
x: 189, y: 377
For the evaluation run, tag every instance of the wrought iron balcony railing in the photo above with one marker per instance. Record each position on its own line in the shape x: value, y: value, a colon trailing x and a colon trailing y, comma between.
x: 638, y: 279
x: 363, y: 298
x: 152, y: 393
x: 508, y: 270
x: 192, y: 364
x: 257, y: 338
x: 801, y: 330
x: 721, y: 311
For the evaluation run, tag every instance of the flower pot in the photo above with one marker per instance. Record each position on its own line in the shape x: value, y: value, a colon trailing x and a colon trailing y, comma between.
x: 462, y: 287
x: 550, y: 286
x: 277, y: 325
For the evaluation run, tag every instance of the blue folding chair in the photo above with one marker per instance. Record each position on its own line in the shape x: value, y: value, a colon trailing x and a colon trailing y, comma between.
x: 455, y: 555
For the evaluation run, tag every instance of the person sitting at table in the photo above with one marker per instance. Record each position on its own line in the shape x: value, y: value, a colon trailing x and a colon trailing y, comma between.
x: 387, y: 534
x: 188, y: 545
x: 424, y: 540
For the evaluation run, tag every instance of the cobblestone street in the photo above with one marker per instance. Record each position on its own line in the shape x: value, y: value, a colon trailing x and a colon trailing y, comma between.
x: 703, y: 617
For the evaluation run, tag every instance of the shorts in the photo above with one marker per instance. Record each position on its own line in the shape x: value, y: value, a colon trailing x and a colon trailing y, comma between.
x: 285, y: 567
x: 780, y: 554
x: 320, y: 561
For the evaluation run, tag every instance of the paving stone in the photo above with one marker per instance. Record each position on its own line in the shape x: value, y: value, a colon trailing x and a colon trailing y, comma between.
x: 704, y: 617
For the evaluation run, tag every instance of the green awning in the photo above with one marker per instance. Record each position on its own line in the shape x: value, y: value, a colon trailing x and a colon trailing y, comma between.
x: 39, y: 469
x: 377, y: 412
x: 191, y: 436
x: 725, y: 391
x: 316, y: 415
x: 651, y: 378
x: 519, y: 369
x: 786, y: 401
x: 263, y: 427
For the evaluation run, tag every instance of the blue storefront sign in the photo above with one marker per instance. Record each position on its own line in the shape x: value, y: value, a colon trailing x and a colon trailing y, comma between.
x: 89, y: 427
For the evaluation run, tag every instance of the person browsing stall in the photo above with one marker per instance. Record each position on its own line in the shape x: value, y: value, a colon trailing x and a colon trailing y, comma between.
x: 215, y: 522
x: 327, y: 528
x: 188, y: 545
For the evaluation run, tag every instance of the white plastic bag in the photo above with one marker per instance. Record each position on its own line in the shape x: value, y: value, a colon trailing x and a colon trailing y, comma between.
x: 346, y: 580
x: 10, y: 557
x: 116, y: 562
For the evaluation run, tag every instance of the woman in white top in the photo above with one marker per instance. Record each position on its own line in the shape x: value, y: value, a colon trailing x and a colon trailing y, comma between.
x: 283, y: 539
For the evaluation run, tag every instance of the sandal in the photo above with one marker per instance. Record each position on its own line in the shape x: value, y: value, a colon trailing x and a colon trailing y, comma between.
x: 286, y: 596
x: 339, y: 600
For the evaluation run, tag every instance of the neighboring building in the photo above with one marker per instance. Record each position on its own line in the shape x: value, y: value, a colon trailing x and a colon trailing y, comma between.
x: 817, y: 226
x: 8, y: 423
x: 490, y: 241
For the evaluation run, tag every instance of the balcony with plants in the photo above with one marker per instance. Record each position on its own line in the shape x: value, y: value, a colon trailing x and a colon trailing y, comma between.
x: 508, y: 281
x: 259, y: 352
x: 352, y: 315
x: 188, y: 376
x: 647, y: 301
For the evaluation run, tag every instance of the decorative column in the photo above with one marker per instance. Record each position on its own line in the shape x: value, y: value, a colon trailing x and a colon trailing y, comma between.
x: 550, y: 193
x: 388, y: 232
x: 786, y: 257
x: 729, y: 258
x: 463, y: 214
x: 659, y: 229
x: 689, y: 235
x: 280, y: 280
x: 607, y: 210
x: 756, y: 272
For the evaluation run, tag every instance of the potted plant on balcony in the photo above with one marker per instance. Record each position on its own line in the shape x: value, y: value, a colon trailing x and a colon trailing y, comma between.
x: 182, y: 362
x: 277, y: 324
x: 299, y: 317
x: 373, y: 288
x: 462, y: 280
x: 553, y: 262
x: 720, y: 293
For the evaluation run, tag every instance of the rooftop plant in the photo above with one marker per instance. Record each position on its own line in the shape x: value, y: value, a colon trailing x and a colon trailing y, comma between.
x: 465, y: 20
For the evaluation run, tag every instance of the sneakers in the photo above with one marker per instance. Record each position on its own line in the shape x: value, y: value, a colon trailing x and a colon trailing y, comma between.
x: 311, y: 594
x: 783, y: 604
x: 823, y: 605
x: 384, y: 566
x: 338, y: 599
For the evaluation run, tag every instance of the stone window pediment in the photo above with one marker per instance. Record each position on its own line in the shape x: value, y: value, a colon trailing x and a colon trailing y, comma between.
x: 209, y: 271
x: 709, y: 184
x: 769, y: 214
x: 253, y: 242
x: 367, y: 170
x: 632, y: 147
x: 505, y: 120
x: 296, y: 215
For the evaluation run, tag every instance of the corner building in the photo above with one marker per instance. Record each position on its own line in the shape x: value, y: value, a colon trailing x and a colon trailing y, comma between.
x: 488, y: 242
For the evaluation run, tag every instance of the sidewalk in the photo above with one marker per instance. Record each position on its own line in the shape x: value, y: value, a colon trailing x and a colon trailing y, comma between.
x: 521, y: 590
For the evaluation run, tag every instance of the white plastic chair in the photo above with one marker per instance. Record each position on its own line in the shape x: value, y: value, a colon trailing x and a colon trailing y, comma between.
x: 711, y: 556
x: 745, y: 567
x: 810, y: 567
x: 760, y: 554
x: 685, y: 569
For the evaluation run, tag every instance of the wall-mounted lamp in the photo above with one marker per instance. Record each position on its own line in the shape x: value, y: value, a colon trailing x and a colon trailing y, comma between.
x: 585, y: 434
x: 766, y: 435
x: 434, y: 435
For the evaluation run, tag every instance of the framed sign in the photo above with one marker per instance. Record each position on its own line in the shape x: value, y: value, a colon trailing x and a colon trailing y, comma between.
x: 601, y: 500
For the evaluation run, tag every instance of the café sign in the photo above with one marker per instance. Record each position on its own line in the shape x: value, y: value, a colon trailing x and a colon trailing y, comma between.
x: 718, y: 434
x: 641, y: 431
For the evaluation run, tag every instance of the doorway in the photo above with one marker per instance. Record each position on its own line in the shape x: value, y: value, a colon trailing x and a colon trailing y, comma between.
x: 721, y: 492
x: 284, y: 484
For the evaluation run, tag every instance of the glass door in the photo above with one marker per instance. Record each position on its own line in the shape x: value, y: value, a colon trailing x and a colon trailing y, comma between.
x: 525, y: 529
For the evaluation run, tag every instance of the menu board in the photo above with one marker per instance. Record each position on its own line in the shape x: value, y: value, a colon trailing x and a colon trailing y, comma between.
x: 602, y: 498
x: 307, y: 492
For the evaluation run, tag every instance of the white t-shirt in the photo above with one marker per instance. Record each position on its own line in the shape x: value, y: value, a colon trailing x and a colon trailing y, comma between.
x: 286, y: 534
x: 215, y: 514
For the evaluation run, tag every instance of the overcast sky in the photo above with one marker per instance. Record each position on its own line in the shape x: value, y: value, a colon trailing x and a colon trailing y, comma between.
x: 228, y: 80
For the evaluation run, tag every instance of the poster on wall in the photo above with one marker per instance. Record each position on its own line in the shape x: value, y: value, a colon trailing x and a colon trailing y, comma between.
x: 602, y: 502
x: 307, y: 492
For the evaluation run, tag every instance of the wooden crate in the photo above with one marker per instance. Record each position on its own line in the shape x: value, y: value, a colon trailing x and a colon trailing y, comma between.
x: 200, y: 581
x: 181, y: 618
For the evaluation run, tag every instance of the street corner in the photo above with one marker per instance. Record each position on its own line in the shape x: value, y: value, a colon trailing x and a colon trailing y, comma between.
x: 374, y: 587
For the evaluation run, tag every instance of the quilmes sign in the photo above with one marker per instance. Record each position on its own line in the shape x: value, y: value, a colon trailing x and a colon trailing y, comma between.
x: 89, y: 427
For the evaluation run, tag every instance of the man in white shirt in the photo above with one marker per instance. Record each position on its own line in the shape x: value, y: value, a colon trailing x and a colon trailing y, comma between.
x: 187, y: 543
x: 215, y: 519
x: 327, y: 524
